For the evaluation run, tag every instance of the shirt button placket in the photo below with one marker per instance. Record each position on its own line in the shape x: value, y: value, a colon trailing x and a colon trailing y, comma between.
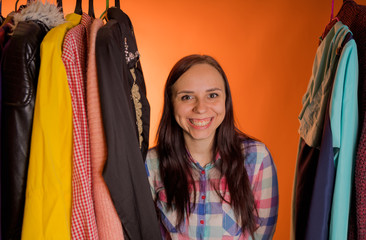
x: 203, y: 187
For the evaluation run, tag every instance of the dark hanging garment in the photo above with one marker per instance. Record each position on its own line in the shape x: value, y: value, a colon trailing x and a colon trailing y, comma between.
x: 321, y: 201
x: 19, y: 69
x: 4, y: 30
x: 307, y: 162
x: 354, y: 16
x: 20, y: 66
x: 358, y: 206
x: 4, y: 36
x: 126, y: 117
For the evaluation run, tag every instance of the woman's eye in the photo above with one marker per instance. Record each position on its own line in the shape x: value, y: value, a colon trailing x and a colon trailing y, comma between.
x: 186, y: 97
x: 213, y: 95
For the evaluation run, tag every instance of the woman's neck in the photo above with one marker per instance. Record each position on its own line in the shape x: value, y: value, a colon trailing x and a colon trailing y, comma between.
x: 200, y: 150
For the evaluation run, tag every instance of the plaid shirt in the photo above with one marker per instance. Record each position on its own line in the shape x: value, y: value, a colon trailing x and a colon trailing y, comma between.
x: 83, y: 223
x: 212, y: 218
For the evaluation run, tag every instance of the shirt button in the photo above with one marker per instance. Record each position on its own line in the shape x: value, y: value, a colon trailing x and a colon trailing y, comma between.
x: 202, y: 222
x: 203, y: 172
x: 203, y: 197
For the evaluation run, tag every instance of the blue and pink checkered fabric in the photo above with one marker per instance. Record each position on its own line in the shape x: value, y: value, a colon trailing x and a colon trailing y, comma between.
x: 212, y: 218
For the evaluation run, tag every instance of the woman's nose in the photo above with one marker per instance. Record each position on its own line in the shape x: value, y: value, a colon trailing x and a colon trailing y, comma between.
x: 200, y: 107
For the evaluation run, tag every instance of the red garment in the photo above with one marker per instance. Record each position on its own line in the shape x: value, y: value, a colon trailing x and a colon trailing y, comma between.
x: 83, y: 223
x: 108, y: 223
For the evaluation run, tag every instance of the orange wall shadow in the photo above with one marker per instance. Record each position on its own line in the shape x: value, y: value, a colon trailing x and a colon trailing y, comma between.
x: 266, y: 48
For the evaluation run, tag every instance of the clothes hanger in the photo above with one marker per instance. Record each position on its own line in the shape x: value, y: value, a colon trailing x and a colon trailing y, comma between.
x: 332, y: 18
x: 104, y: 14
x: 332, y: 22
x: 16, y: 5
x: 91, y: 9
x: 59, y: 5
x: 331, y: 14
x: 78, y: 8
x: 1, y: 16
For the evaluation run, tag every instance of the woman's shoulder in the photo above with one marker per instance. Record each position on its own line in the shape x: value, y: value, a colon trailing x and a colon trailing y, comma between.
x: 254, y: 146
x: 152, y: 160
x: 152, y: 154
x: 256, y: 153
x: 153, y: 172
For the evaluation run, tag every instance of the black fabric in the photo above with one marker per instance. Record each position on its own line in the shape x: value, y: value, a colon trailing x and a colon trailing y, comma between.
x: 20, y: 68
x: 124, y: 171
x: 307, y: 162
x: 322, y: 196
x: 4, y: 30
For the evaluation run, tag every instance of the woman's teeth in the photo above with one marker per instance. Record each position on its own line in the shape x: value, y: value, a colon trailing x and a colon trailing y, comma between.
x: 200, y: 123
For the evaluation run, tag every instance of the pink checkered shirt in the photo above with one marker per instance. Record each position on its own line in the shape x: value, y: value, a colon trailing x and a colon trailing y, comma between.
x: 83, y: 223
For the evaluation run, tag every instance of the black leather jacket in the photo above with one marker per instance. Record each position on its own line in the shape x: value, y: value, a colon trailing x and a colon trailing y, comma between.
x: 19, y: 69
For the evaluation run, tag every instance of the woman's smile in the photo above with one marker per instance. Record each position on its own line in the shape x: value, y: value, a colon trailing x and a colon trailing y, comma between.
x: 200, y: 123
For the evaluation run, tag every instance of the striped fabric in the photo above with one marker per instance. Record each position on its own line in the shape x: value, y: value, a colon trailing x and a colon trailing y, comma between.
x: 83, y: 223
x: 108, y: 223
x: 213, y: 219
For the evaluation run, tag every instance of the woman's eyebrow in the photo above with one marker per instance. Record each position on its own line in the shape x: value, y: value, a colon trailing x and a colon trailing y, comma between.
x: 213, y: 89
x: 190, y: 92
x: 185, y: 92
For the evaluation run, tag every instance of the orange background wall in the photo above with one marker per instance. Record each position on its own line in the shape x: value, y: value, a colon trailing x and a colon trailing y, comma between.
x: 265, y: 47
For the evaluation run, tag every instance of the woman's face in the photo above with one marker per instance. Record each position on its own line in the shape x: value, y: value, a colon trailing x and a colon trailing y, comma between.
x: 199, y: 102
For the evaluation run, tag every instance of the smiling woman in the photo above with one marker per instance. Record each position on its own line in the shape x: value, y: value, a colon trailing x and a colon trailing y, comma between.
x: 199, y: 105
x: 206, y: 176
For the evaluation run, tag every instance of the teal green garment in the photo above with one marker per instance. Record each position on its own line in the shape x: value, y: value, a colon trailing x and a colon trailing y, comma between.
x: 319, y: 88
x: 344, y: 123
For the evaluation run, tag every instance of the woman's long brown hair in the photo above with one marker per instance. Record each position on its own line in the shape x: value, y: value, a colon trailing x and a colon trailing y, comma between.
x: 175, y: 164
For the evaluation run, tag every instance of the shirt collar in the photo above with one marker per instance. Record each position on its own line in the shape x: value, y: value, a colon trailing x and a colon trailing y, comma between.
x: 196, y: 164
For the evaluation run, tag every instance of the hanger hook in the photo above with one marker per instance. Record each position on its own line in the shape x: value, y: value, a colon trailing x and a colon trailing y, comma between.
x: 16, y: 5
x: 104, y: 14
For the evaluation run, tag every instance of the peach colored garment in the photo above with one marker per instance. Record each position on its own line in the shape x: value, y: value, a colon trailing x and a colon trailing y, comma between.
x: 108, y: 223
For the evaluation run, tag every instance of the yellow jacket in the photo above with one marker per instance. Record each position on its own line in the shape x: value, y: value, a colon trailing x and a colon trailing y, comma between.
x: 47, y: 213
